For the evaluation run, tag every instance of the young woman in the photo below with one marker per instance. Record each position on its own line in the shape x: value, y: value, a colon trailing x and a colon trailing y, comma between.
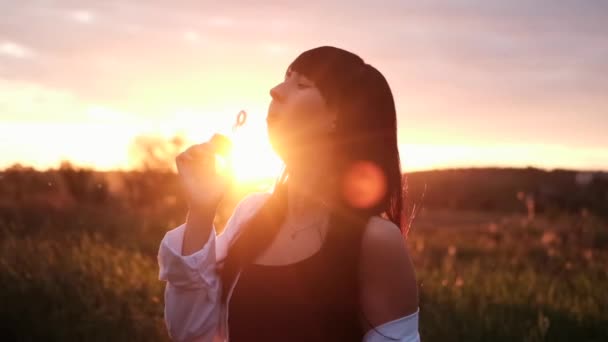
x: 320, y: 258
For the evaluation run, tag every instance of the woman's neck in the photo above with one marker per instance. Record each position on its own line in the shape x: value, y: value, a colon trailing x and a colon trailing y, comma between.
x: 307, y: 192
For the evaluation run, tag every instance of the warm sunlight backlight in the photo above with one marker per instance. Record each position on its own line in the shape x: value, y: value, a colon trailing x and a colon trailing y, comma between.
x: 253, y: 157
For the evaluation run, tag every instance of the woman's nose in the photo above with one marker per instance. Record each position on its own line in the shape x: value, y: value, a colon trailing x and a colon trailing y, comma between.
x: 277, y: 93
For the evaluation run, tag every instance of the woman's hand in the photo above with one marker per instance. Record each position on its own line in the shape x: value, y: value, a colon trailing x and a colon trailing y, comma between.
x: 203, y: 184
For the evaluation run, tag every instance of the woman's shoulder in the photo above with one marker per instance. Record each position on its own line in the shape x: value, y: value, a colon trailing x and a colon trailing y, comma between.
x: 383, y: 242
x: 245, y: 208
x: 389, y: 284
x: 251, y: 202
x: 381, y: 231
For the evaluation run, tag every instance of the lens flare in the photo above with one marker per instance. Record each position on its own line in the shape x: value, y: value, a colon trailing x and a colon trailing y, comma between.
x: 364, y: 185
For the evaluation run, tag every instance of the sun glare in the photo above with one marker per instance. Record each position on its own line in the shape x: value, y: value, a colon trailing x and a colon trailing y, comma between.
x: 253, y: 157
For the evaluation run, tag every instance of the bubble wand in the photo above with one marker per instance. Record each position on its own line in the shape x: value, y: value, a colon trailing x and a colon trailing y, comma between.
x: 224, y: 143
x: 241, y: 118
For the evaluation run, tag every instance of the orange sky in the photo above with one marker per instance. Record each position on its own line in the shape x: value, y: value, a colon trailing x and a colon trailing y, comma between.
x: 481, y: 83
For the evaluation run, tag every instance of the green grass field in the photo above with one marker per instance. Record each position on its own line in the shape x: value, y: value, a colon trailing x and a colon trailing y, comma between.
x: 90, y: 273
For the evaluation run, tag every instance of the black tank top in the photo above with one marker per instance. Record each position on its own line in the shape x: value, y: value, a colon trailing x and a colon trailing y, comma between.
x: 303, y: 301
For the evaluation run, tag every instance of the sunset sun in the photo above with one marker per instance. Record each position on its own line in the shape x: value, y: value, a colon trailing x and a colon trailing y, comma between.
x: 252, y: 156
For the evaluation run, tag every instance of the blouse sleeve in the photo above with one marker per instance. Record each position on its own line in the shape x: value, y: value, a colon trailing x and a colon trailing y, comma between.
x: 404, y: 329
x: 192, y: 291
x: 192, y: 309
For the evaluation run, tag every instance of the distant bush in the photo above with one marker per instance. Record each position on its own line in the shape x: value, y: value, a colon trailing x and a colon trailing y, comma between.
x: 500, y: 190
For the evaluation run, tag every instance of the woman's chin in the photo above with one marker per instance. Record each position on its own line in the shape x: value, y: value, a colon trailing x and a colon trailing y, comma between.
x: 279, y: 149
x: 292, y: 151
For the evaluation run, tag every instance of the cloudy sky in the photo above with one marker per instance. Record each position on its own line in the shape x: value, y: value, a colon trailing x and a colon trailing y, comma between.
x: 476, y: 82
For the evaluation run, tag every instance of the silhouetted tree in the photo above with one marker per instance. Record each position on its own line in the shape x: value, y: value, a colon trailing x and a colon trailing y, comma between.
x: 154, y: 179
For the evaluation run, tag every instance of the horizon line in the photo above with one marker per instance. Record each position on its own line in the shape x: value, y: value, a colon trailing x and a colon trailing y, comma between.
x: 447, y: 168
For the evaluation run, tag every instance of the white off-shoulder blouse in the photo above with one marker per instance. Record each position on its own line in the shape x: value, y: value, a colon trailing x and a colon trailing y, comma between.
x: 193, y: 310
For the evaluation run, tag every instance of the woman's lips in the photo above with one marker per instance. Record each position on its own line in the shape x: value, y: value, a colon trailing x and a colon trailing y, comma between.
x: 274, y: 110
x: 272, y: 117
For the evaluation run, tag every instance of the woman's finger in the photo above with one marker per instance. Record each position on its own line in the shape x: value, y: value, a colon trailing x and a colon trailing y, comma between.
x: 184, y: 156
x: 202, y: 151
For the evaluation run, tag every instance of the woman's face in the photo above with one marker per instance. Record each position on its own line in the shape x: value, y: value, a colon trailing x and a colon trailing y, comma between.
x: 299, y: 119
